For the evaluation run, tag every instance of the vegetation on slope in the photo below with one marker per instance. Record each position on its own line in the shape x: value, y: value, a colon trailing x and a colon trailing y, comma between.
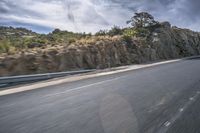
x: 13, y: 40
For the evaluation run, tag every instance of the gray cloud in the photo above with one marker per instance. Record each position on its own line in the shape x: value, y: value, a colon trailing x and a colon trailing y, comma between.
x: 92, y: 15
x: 10, y: 7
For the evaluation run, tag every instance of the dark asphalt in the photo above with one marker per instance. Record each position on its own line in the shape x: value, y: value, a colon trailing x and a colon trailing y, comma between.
x: 147, y: 100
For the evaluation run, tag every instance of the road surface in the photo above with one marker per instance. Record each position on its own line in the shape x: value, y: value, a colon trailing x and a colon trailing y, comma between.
x: 159, y: 99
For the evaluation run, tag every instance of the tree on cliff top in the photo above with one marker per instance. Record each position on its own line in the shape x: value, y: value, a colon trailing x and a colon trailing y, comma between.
x: 142, y: 20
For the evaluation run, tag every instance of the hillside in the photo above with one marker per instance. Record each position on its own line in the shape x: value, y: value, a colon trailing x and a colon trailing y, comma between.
x: 26, y: 52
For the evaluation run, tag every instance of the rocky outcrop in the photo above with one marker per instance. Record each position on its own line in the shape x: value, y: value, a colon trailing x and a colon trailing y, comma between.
x: 163, y: 42
x: 174, y: 43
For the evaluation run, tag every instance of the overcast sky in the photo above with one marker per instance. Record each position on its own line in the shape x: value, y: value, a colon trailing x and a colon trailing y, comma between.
x: 92, y: 15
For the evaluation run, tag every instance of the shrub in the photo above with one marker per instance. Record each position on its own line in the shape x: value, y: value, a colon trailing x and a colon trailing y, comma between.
x: 4, y: 46
x: 71, y: 40
x: 128, y: 34
x: 142, y: 32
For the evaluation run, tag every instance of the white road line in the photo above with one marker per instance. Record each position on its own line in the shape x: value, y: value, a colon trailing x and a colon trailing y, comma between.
x: 79, y: 88
x: 181, y: 109
x: 167, y: 124
x: 191, y: 98
x: 73, y: 89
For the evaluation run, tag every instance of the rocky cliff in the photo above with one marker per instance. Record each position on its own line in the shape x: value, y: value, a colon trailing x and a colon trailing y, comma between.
x: 162, y: 42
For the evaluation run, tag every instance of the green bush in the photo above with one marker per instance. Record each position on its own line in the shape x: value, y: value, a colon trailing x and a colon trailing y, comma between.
x: 4, y: 46
x: 142, y: 32
x: 128, y: 34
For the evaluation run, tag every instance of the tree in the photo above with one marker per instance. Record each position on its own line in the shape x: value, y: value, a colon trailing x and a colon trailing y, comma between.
x: 142, y: 20
x: 56, y: 31
x: 115, y: 31
x: 101, y: 33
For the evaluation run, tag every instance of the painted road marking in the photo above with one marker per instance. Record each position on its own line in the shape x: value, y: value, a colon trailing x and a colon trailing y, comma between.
x: 168, y: 123
x: 191, y: 98
x: 181, y: 109
x: 78, y: 88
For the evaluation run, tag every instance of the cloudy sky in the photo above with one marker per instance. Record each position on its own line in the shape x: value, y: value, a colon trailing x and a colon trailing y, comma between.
x: 92, y: 15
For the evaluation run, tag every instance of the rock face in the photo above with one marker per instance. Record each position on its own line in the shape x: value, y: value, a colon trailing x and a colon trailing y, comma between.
x: 164, y: 42
x: 175, y: 43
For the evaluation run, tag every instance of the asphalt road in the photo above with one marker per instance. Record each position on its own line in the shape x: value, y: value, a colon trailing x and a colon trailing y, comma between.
x: 159, y: 99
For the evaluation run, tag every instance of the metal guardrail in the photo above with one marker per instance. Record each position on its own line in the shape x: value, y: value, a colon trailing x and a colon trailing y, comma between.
x: 38, y: 77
